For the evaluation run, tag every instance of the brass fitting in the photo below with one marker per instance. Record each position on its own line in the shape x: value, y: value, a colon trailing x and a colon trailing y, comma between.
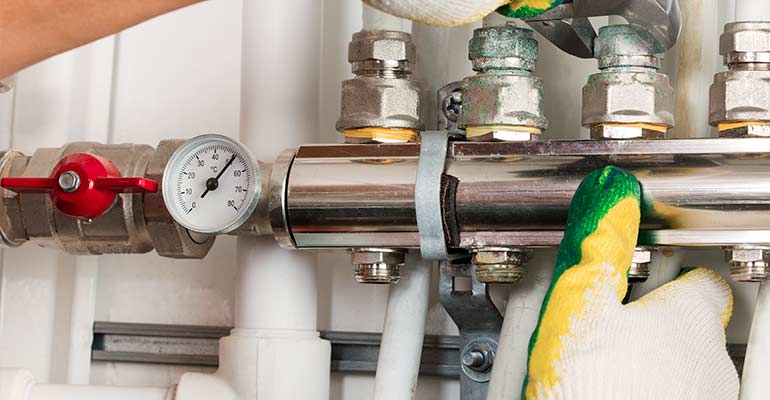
x: 135, y: 223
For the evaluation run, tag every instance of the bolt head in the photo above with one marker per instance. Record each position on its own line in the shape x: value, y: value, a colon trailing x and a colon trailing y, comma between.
x: 69, y: 181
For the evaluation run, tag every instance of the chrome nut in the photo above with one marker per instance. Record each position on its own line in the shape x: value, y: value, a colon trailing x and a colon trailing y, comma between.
x: 503, y: 99
x: 382, y: 46
x: 377, y: 256
x: 745, y: 42
x: 379, y: 102
x: 628, y: 97
x: 378, y: 266
x: 749, y: 264
x: 739, y: 95
x: 169, y: 238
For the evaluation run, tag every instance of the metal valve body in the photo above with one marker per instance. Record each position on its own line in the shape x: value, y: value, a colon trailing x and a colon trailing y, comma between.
x: 67, y: 198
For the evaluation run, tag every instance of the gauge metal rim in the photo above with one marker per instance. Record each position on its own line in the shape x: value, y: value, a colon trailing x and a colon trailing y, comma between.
x: 256, y: 181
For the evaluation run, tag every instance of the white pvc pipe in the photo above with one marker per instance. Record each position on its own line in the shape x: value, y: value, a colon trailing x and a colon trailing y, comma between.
x: 376, y: 20
x: 521, y: 315
x: 81, y: 392
x: 398, y: 365
x: 756, y: 366
x: 279, y: 111
x: 275, y: 351
x: 752, y: 10
x: 82, y: 320
x: 276, y: 288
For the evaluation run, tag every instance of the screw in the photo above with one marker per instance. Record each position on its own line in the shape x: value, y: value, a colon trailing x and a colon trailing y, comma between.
x: 473, y: 359
x: 69, y: 181
x: 453, y: 106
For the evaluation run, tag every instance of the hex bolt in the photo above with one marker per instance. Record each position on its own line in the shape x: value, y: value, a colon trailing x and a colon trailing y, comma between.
x: 379, y: 266
x: 749, y: 263
x: 477, y: 358
x: 639, y: 270
x: 473, y: 359
x: 69, y: 181
x: 500, y: 264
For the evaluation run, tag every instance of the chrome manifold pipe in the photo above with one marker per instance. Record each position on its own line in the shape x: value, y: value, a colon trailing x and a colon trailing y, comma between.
x: 697, y: 192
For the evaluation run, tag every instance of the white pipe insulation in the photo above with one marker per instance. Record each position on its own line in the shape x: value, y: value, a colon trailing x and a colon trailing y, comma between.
x: 376, y: 20
x: 752, y: 10
x: 398, y: 364
x: 756, y: 366
x: 521, y: 315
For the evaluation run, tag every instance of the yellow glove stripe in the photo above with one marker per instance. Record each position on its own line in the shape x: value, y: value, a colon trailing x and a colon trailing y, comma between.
x: 607, y: 247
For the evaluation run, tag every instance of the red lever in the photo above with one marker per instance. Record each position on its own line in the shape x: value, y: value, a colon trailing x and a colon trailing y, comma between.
x: 82, y: 185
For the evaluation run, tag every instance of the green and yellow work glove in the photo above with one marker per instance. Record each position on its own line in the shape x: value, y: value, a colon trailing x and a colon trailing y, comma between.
x: 460, y: 12
x: 670, y: 344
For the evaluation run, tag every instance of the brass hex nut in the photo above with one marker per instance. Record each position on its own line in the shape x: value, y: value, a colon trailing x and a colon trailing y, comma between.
x: 503, y: 99
x: 374, y: 101
x: 628, y: 97
x: 739, y: 95
x: 382, y: 46
x: 169, y: 238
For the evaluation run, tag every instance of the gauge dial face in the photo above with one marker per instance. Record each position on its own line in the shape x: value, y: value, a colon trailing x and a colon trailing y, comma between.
x: 211, y: 184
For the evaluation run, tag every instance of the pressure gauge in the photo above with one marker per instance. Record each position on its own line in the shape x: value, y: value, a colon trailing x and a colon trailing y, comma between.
x: 211, y: 184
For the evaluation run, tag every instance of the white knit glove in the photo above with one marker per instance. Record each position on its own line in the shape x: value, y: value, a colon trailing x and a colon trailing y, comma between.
x: 459, y: 12
x: 668, y: 345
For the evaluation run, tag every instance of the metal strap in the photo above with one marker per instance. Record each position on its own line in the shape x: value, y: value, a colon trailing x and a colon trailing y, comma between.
x: 427, y: 197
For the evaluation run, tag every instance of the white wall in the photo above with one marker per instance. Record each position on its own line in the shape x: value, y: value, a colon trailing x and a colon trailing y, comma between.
x: 179, y: 76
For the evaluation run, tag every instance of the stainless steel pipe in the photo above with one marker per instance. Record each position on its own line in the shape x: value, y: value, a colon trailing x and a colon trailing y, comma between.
x: 697, y: 192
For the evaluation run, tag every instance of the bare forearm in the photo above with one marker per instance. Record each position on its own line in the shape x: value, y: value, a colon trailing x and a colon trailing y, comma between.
x: 33, y: 30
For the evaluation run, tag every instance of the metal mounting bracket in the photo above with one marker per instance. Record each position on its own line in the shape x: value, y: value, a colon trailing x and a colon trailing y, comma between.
x: 467, y: 301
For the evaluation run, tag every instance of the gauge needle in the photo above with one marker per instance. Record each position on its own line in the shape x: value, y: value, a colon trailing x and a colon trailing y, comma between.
x: 213, y: 183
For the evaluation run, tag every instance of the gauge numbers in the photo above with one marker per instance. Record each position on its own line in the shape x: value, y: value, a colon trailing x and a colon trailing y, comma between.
x: 211, y: 184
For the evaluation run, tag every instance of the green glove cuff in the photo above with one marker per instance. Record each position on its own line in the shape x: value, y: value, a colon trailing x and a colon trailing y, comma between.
x: 527, y: 8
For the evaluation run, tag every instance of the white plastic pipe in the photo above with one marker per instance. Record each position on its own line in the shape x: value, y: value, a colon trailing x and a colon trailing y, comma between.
x: 756, y: 366
x: 398, y: 365
x: 18, y: 384
x: 752, y: 10
x: 275, y: 351
x: 521, y: 315
x: 81, y: 392
x: 375, y: 20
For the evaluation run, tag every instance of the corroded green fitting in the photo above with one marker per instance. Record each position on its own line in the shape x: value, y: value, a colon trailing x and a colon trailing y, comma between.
x: 503, y: 47
x: 504, y: 101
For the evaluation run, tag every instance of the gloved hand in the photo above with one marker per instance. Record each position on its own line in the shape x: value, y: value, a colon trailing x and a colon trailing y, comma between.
x: 460, y: 12
x: 668, y: 345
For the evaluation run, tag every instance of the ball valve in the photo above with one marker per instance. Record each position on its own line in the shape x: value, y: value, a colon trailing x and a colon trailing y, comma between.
x: 82, y: 185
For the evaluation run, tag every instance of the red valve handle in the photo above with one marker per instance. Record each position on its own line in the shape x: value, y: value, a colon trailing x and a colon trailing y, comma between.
x: 82, y: 185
